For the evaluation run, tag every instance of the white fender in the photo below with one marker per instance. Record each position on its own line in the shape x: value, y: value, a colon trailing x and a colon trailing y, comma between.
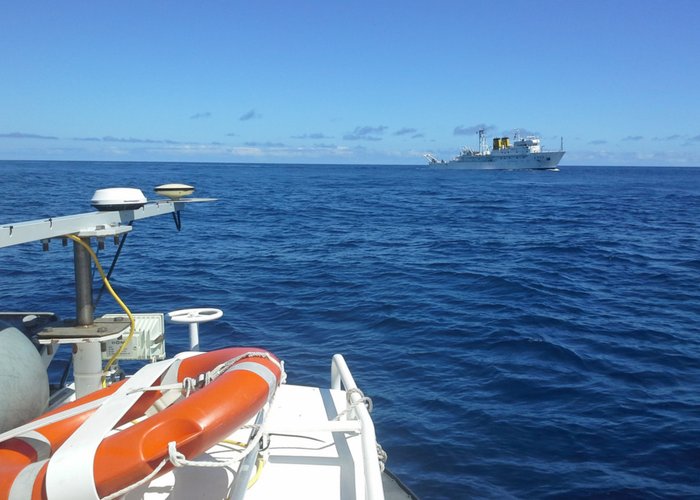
x: 24, y: 383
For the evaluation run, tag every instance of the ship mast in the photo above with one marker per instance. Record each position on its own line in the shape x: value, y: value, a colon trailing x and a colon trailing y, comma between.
x: 482, y: 141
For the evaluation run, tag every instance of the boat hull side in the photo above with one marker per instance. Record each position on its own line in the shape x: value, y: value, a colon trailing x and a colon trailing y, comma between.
x: 547, y: 160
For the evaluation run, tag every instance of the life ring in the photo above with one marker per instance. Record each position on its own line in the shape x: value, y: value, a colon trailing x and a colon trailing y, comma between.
x: 197, y: 422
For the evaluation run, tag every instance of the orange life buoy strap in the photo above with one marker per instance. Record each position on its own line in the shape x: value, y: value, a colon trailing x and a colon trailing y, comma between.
x: 262, y: 372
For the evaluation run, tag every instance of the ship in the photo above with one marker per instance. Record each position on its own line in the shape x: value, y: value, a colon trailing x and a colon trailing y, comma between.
x: 524, y: 153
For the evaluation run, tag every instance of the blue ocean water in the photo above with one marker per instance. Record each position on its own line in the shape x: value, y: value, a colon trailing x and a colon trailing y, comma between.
x: 522, y: 334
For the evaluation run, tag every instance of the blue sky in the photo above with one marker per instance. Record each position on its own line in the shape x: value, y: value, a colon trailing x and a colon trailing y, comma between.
x: 348, y: 81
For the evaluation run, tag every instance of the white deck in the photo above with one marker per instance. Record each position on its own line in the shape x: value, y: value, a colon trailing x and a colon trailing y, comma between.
x: 300, y: 463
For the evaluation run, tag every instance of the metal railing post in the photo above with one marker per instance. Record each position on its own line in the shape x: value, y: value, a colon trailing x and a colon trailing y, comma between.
x: 340, y: 374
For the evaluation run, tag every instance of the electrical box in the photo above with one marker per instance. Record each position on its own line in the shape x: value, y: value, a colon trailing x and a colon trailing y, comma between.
x: 147, y: 343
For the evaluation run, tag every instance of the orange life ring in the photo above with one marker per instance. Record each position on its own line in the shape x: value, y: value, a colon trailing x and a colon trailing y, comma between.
x: 195, y: 423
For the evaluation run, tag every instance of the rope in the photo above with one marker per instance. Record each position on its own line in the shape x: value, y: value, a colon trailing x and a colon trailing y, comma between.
x: 352, y: 405
x: 124, y: 491
x: 180, y: 460
x: 224, y: 367
x: 382, y: 456
x: 190, y: 384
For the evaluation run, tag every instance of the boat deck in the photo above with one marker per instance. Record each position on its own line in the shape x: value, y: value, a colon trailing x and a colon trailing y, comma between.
x: 300, y: 461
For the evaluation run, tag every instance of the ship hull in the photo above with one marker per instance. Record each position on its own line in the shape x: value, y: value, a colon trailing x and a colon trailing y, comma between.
x: 546, y: 160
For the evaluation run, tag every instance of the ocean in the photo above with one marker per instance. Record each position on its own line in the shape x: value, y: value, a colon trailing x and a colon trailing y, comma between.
x: 522, y: 334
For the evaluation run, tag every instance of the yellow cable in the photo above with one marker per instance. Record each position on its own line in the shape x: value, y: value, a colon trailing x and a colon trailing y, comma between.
x: 132, y: 321
x: 259, y: 462
x: 235, y: 443
x: 258, y: 469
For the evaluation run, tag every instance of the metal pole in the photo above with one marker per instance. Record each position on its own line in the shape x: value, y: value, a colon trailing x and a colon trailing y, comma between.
x: 87, y: 368
x: 87, y: 358
x: 194, y: 337
x: 84, y: 310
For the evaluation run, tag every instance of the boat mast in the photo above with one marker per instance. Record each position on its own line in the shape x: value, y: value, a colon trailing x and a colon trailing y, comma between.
x: 482, y: 141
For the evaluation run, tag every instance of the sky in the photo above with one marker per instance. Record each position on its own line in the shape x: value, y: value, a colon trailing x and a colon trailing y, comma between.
x: 325, y: 81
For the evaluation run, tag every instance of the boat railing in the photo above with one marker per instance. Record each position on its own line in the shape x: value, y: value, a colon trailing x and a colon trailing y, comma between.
x: 342, y: 378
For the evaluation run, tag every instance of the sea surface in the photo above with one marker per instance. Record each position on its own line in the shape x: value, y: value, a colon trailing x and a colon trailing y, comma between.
x: 522, y: 334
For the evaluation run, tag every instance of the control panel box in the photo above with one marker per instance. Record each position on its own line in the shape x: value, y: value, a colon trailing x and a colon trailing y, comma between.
x: 147, y: 343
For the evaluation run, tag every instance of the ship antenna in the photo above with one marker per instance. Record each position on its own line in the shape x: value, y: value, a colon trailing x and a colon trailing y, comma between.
x: 482, y: 141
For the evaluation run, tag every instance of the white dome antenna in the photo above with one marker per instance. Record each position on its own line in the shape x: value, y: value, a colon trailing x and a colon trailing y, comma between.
x: 112, y: 199
x: 174, y: 191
